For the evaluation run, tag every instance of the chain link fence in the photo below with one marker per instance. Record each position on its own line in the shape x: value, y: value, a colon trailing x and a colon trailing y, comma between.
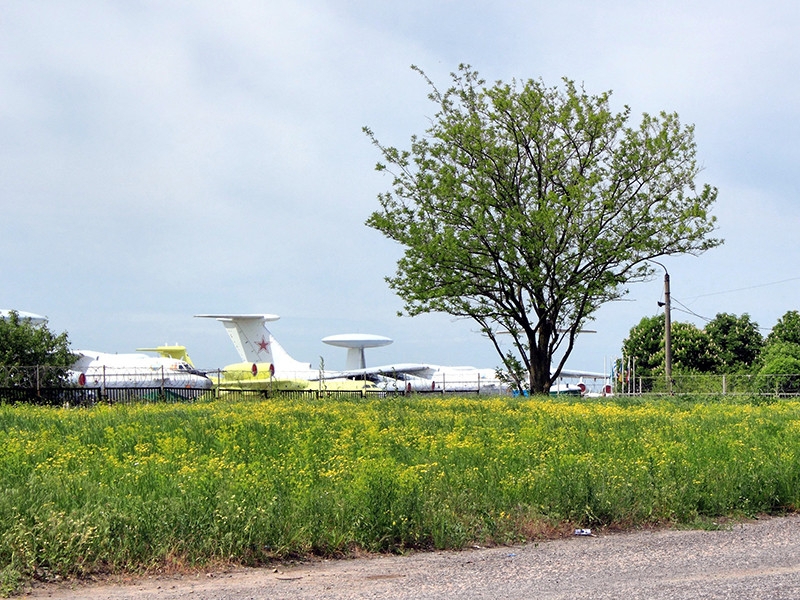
x: 51, y: 385
x: 786, y: 385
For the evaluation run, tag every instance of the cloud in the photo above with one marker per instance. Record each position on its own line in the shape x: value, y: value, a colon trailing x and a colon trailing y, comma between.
x: 161, y: 160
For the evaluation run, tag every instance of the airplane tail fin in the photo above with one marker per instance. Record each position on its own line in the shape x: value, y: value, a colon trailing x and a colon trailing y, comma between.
x: 255, y: 343
x: 176, y: 352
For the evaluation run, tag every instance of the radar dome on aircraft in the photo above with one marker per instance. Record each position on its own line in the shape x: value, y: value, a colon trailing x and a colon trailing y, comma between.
x: 355, y: 344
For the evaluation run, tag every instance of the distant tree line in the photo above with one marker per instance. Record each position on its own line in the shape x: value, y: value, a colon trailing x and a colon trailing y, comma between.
x: 727, y: 345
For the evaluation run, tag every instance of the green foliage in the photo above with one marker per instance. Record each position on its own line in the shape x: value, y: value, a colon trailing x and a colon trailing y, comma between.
x: 727, y: 344
x: 736, y: 341
x: 514, y: 375
x: 645, y: 343
x: 133, y: 487
x: 691, y: 348
x: 779, y: 362
x: 526, y: 208
x: 787, y: 329
x: 780, y: 368
x: 24, y: 346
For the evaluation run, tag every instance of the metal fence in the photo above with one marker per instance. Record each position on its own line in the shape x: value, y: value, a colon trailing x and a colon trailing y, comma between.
x: 32, y: 377
x: 772, y: 385
x: 30, y: 389
x: 236, y: 394
x: 82, y: 396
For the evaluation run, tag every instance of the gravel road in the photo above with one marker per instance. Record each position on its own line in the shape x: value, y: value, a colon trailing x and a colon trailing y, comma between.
x: 758, y: 559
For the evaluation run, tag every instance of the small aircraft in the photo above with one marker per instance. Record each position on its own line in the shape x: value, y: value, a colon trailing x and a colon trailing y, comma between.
x: 94, y: 369
x: 258, y: 348
x: 104, y: 370
x: 580, y: 388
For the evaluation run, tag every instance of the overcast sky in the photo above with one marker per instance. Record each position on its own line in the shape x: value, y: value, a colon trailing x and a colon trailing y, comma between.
x: 163, y: 159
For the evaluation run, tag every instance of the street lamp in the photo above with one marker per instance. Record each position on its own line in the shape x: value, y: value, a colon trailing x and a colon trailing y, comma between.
x: 667, y: 328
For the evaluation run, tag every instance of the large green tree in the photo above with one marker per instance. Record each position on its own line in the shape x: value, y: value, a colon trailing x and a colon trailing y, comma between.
x: 31, y: 355
x: 736, y: 341
x: 780, y: 368
x: 692, y: 349
x: 726, y: 344
x: 526, y: 207
x: 780, y: 359
x: 787, y: 329
x: 644, y: 346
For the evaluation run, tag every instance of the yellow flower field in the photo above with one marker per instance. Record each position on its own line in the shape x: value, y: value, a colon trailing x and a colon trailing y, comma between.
x: 133, y: 487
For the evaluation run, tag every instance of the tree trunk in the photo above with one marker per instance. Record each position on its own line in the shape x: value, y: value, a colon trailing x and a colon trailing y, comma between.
x: 539, y: 358
x: 539, y: 375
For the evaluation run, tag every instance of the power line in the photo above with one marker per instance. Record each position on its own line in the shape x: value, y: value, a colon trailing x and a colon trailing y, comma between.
x: 689, y: 311
x: 744, y: 289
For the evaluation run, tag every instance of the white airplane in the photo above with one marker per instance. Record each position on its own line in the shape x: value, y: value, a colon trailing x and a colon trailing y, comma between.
x: 580, y: 388
x: 23, y: 316
x: 266, y: 364
x: 256, y: 346
x: 94, y: 369
x: 430, y: 378
x: 264, y: 359
x: 104, y: 370
x: 412, y: 376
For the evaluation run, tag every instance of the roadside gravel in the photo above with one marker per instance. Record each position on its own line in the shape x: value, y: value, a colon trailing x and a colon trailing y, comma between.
x: 757, y: 559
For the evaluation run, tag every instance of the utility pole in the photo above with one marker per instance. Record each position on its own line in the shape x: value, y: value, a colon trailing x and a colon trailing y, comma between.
x: 667, y: 328
x: 667, y: 333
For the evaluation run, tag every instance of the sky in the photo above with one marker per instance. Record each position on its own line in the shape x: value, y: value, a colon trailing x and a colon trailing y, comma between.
x: 164, y: 159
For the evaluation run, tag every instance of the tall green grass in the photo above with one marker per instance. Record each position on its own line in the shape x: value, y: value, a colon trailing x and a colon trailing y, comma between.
x: 136, y: 487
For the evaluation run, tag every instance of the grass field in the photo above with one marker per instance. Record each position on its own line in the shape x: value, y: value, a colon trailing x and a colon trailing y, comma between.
x: 136, y: 487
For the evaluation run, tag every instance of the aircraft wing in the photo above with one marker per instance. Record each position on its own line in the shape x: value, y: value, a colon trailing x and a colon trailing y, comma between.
x: 583, y: 374
x: 395, y: 371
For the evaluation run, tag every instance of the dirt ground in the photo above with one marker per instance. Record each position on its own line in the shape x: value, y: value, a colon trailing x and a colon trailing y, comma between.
x: 756, y: 559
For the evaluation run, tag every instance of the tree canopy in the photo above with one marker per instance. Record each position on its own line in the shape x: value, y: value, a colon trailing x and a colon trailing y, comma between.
x: 787, y: 329
x: 645, y: 344
x: 780, y: 358
x: 24, y: 346
x: 780, y: 368
x: 526, y: 207
x: 736, y: 341
x: 727, y: 344
x: 693, y: 350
